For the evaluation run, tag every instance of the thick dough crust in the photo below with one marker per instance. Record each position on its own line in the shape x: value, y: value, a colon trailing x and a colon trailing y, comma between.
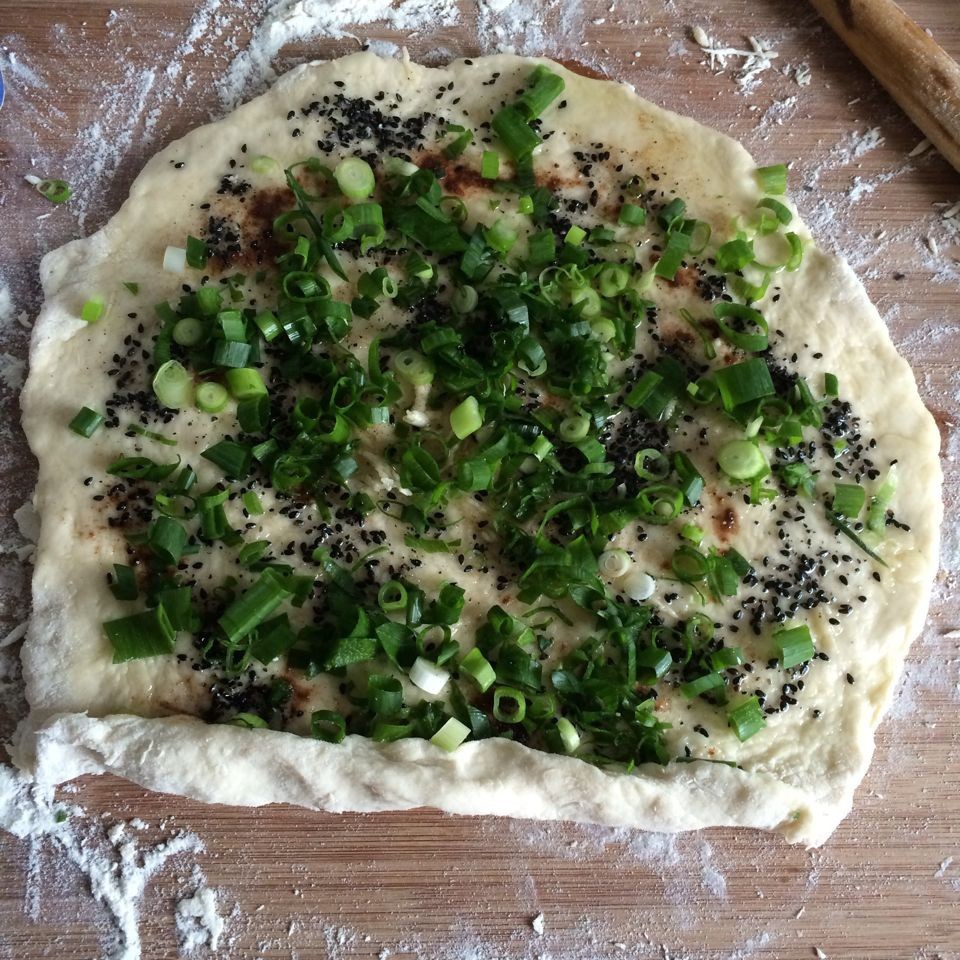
x: 791, y: 788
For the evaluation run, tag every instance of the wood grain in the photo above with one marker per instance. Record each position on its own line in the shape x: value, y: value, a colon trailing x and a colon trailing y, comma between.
x: 424, y: 885
x: 915, y: 70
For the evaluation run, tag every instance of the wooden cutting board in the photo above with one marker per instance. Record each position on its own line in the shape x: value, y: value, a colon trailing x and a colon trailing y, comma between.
x: 420, y: 884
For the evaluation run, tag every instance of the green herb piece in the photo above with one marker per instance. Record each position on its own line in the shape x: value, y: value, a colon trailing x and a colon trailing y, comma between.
x: 772, y: 179
x: 450, y: 735
x: 92, y: 310
x: 197, y: 253
x: 253, y: 606
x: 56, y: 191
x: 746, y: 719
x: 509, y: 705
x: 146, y: 634
x: 124, y: 582
x: 794, y: 646
x: 848, y: 500
x: 328, y: 725
x: 86, y: 422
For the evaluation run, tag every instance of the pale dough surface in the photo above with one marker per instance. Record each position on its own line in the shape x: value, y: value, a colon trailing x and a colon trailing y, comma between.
x: 799, y: 779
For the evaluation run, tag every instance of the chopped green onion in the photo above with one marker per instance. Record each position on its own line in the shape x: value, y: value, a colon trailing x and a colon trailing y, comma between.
x: 175, y: 259
x: 249, y: 721
x: 167, y: 540
x: 638, y: 585
x: 460, y: 142
x: 726, y: 657
x: 189, y: 331
x: 772, y: 179
x: 253, y: 415
x: 414, y: 367
x: 742, y: 382
x: 86, y: 422
x: 268, y: 325
x: 328, y: 725
x: 575, y: 236
x: 517, y: 136
x: 831, y: 385
x: 173, y: 385
x: 134, y: 288
x: 252, y: 504
x: 569, y: 737
x: 197, y: 253
x: 234, y: 354
x: 848, y: 500
x: 704, y: 684
x: 692, y: 533
x: 490, y: 165
x: 476, y: 666
x: 501, y: 236
x: 576, y: 428
x: 232, y: 458
x: 780, y: 211
x: 734, y: 255
x: 392, y: 597
x: 466, y: 418
x: 853, y: 537
x: 464, y: 299
x: 746, y: 719
x: 450, y: 735
x: 56, y: 191
x: 651, y: 464
x: 587, y: 301
x: 509, y: 705
x: 147, y: 634
x: 211, y: 397
x: 253, y: 606
x: 795, y: 646
x: 92, y: 310
x: 124, y: 582
x: 545, y: 87
x: 614, y: 563
x: 428, y: 676
x: 245, y: 383
x: 742, y: 460
x: 525, y: 205
x: 678, y: 245
x: 263, y: 164
x: 746, y: 316
x: 613, y: 279
x: 880, y: 501
x: 632, y: 215
x: 355, y: 178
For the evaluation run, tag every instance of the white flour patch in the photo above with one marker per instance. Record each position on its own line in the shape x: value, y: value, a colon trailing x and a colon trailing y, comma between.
x: 528, y: 27
x: 14, y: 66
x: 7, y: 311
x: 287, y: 21
x: 115, y: 863
x: 199, y: 923
x: 12, y: 371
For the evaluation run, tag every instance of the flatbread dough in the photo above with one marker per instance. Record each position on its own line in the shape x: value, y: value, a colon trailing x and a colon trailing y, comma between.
x: 89, y: 715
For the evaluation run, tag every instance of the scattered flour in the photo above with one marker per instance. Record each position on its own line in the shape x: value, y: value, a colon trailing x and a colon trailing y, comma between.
x: 7, y: 311
x: 12, y: 370
x: 199, y: 923
x: 286, y: 21
x: 129, y: 113
x: 528, y: 27
x: 115, y: 864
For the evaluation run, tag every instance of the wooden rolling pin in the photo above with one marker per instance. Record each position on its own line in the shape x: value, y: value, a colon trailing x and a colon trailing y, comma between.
x: 916, y: 71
